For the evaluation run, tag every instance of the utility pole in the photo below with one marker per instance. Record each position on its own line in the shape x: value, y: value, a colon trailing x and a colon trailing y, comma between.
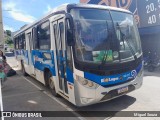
x: 1, y: 29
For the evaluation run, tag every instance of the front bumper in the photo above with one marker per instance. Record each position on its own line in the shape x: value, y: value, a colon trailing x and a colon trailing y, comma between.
x: 85, y: 96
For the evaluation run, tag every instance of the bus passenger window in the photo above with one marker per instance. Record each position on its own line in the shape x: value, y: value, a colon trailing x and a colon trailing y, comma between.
x: 23, y: 41
x: 44, y: 36
x: 20, y: 43
x: 14, y: 43
x: 17, y: 42
x: 35, y: 40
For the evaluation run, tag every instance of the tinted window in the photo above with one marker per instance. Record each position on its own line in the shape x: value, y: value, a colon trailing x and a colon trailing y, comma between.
x: 55, y: 34
x: 44, y: 36
x: 24, y: 41
x: 29, y: 38
x: 61, y: 27
x: 17, y: 42
x: 20, y: 42
x: 35, y: 40
x: 14, y: 43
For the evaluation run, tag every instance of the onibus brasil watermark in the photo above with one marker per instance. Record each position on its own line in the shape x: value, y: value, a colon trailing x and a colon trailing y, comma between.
x: 38, y: 114
x: 22, y: 114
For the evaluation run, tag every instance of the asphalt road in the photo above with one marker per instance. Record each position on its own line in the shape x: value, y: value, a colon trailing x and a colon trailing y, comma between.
x: 26, y: 94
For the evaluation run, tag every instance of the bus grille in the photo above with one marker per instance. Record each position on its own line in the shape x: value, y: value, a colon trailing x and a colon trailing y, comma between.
x: 114, y: 93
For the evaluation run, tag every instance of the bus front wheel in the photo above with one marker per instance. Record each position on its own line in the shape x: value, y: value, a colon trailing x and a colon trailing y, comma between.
x: 51, y: 84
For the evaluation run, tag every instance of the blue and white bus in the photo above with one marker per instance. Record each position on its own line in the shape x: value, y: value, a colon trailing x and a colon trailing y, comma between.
x: 85, y: 53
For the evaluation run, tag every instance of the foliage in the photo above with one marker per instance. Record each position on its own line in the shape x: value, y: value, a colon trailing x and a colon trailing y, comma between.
x: 8, y: 32
x: 8, y: 39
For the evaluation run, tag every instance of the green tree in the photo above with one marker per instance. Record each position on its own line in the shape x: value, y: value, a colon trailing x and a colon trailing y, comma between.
x: 8, y: 32
x: 8, y: 39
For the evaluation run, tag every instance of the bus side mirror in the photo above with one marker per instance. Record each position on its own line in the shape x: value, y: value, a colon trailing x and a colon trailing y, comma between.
x: 69, y: 30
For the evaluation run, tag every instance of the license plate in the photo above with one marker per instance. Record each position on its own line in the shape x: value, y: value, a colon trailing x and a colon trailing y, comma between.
x: 122, y: 90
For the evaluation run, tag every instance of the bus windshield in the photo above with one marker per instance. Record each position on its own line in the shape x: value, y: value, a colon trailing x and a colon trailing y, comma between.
x: 103, y: 35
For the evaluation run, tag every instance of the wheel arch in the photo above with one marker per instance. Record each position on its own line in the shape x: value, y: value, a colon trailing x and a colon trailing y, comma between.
x: 46, y: 73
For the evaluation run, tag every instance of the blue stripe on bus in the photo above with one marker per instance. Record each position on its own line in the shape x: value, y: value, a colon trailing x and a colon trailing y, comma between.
x: 113, y: 79
x: 18, y: 52
x: 25, y: 56
x: 41, y: 63
x: 21, y: 54
x: 69, y: 73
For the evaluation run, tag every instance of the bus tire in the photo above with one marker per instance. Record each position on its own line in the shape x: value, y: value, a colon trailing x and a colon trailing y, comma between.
x: 23, y: 69
x: 51, y: 84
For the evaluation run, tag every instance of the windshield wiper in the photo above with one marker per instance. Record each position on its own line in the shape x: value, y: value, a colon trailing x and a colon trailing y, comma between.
x: 106, y: 52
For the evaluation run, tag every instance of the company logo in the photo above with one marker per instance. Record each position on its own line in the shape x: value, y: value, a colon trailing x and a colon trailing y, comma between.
x: 116, y: 3
x: 113, y: 79
x: 105, y: 80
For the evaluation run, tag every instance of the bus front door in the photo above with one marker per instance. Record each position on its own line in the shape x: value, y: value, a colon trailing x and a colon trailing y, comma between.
x: 29, y: 47
x: 59, y: 33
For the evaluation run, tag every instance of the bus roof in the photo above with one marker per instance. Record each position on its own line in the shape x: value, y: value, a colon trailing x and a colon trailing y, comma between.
x: 64, y: 7
x: 101, y: 7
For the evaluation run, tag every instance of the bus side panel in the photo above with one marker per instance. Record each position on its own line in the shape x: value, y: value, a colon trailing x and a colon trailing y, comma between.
x: 69, y: 76
x: 43, y: 59
x: 25, y: 57
x: 25, y: 60
x: 18, y: 54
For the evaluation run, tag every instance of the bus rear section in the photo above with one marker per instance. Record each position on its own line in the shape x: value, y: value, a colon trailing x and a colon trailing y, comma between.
x: 20, y: 49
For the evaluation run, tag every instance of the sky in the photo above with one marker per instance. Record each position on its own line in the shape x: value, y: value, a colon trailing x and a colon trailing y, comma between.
x: 17, y: 13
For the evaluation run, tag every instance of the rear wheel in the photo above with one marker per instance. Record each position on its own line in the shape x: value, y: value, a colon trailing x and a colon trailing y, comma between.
x: 51, y: 84
x: 23, y: 70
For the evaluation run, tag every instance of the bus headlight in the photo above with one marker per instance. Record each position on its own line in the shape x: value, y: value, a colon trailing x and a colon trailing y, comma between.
x: 84, y: 82
x: 87, y: 83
